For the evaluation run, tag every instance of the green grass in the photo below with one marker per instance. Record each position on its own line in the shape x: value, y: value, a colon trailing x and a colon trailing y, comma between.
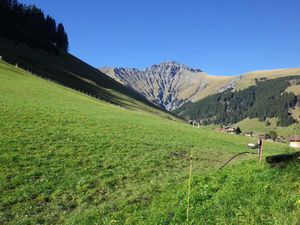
x: 71, y: 72
x: 294, y: 89
x: 248, y: 125
x: 67, y: 158
x: 255, y: 194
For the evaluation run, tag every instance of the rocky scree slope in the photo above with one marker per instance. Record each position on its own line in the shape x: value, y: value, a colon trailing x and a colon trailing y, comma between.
x: 170, y: 84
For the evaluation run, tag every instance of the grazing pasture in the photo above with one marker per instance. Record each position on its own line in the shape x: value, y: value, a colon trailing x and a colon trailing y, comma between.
x: 68, y: 158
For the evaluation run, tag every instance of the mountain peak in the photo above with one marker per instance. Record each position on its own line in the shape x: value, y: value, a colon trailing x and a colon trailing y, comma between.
x: 171, y: 63
x: 168, y: 84
x: 174, y: 65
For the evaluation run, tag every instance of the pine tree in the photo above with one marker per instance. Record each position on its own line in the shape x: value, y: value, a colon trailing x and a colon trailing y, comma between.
x: 28, y: 24
x: 238, y: 130
x: 62, y: 37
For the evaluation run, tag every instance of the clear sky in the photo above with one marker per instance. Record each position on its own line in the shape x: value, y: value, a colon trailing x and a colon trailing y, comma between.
x: 225, y: 37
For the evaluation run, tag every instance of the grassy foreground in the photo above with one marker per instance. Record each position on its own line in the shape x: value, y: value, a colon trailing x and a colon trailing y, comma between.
x: 66, y: 158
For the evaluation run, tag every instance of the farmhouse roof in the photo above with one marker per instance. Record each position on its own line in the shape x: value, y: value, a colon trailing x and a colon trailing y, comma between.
x: 230, y: 129
x: 294, y: 138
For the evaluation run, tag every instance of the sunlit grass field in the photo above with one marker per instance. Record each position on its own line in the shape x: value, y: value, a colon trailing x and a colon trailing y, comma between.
x: 258, y: 127
x: 249, y: 78
x: 67, y: 158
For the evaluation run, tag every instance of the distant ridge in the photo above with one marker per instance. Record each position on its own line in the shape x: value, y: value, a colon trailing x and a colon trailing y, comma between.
x: 169, y: 84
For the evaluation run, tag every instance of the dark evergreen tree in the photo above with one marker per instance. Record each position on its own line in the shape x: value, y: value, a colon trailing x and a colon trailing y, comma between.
x: 238, y: 130
x: 28, y: 24
x: 62, y: 37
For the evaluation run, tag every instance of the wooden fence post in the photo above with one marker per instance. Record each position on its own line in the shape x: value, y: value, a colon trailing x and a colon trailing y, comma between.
x: 260, y: 149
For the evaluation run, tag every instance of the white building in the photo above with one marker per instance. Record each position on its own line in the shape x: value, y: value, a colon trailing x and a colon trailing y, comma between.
x: 294, y: 141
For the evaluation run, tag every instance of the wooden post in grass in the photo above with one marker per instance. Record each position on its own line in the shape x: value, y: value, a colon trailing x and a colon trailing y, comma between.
x: 260, y: 151
x: 189, y: 187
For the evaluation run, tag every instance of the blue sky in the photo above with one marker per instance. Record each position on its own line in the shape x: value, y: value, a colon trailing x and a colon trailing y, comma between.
x: 225, y: 37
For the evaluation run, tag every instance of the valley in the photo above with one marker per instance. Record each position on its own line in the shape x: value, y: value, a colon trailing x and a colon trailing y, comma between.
x: 166, y: 145
x: 192, y: 94
x: 69, y: 158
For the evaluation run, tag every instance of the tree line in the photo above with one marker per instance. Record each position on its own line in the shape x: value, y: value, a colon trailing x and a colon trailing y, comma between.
x: 266, y: 99
x: 28, y: 24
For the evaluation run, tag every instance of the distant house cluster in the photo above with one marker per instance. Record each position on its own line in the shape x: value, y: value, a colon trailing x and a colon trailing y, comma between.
x: 194, y: 123
x: 249, y: 134
x: 294, y: 141
x: 229, y: 130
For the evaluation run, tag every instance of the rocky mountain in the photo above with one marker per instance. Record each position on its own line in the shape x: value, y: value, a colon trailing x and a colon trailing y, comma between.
x: 171, y: 84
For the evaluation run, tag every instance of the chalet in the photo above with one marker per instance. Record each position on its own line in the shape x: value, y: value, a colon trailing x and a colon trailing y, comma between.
x: 230, y: 130
x: 194, y: 123
x: 248, y: 134
x: 294, y: 141
x: 191, y: 122
x: 220, y: 129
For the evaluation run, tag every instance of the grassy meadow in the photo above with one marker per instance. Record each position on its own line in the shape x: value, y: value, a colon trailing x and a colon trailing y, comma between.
x: 72, y: 72
x: 258, y: 127
x: 248, y: 79
x: 67, y: 158
x: 294, y: 89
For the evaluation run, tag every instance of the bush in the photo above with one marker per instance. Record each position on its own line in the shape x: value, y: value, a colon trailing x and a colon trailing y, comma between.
x: 273, y: 134
x: 268, y: 123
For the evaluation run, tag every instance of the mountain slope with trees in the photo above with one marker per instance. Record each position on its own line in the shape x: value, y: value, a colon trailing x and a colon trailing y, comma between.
x: 32, y: 41
x: 265, y: 99
x: 28, y: 24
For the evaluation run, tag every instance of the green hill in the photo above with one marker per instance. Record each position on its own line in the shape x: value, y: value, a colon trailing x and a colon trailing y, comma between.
x: 67, y: 158
x: 250, y: 125
x: 248, y: 79
x: 267, y: 99
x: 71, y: 72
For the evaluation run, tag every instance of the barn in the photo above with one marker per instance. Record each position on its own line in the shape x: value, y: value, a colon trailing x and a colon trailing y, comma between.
x: 294, y: 141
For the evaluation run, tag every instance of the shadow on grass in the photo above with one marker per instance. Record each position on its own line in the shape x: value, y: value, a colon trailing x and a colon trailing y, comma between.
x: 71, y: 72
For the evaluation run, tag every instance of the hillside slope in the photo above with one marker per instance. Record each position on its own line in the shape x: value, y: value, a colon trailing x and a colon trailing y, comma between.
x: 70, y: 71
x: 268, y: 98
x: 248, y: 79
x: 67, y: 158
x: 259, y: 127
